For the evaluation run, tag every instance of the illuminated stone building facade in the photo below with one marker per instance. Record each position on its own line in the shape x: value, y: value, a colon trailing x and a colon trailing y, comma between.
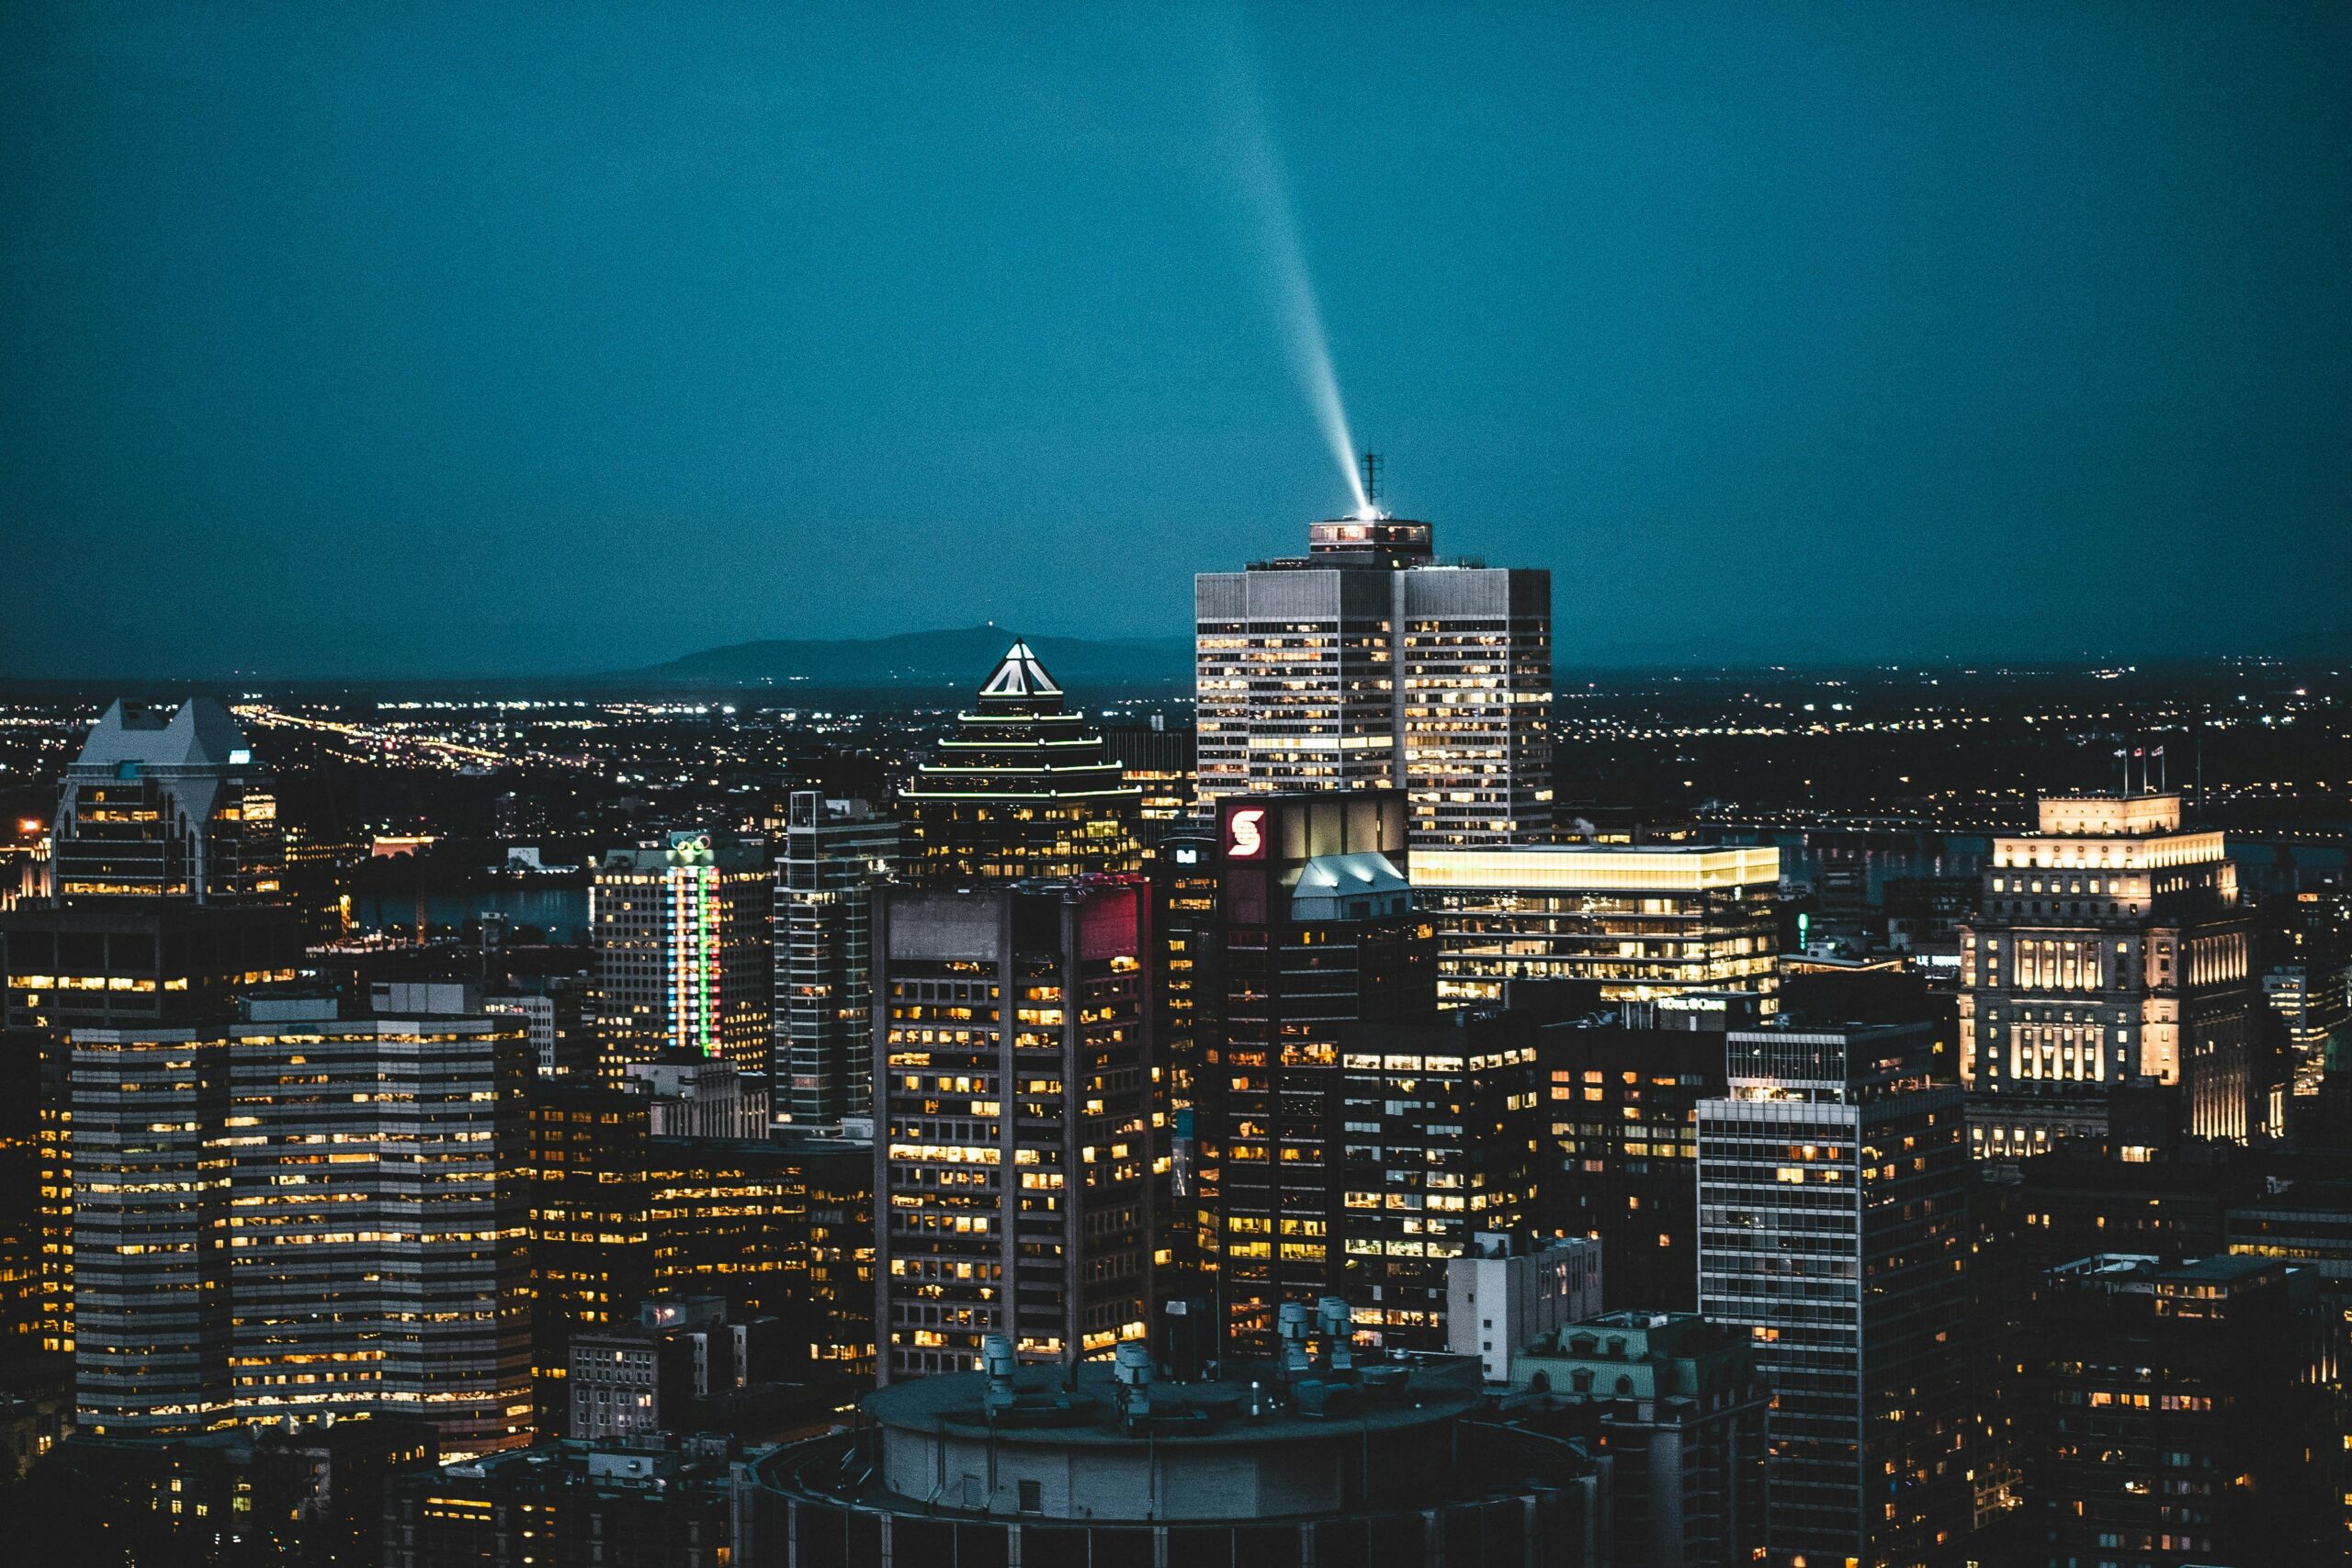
x: 834, y: 851
x: 1644, y: 923
x: 1833, y: 1182
x: 1018, y: 1138
x: 686, y: 953
x: 1022, y: 788
x: 1367, y: 665
x: 2108, y: 944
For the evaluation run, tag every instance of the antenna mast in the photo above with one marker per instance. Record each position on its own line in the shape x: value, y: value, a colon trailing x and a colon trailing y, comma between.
x: 1372, y: 480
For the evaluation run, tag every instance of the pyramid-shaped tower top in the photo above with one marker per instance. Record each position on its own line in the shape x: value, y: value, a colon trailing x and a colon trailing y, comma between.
x: 1019, y: 674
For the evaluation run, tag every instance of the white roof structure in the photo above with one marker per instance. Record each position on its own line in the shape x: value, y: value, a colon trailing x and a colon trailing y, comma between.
x: 1020, y: 675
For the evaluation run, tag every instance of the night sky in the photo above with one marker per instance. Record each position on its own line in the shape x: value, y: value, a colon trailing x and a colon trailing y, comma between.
x: 517, y: 338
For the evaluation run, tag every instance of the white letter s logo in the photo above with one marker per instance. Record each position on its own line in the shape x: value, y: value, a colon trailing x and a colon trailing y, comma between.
x: 1244, y: 840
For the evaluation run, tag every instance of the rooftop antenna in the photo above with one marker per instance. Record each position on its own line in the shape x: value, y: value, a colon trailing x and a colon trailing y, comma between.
x: 1371, y: 481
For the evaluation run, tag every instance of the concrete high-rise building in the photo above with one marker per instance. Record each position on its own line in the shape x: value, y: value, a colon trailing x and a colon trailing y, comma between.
x: 2108, y: 945
x: 149, y: 1232
x: 1318, y: 939
x: 1366, y: 664
x: 834, y: 851
x: 1018, y: 1138
x: 686, y: 953
x: 1643, y: 923
x: 1833, y: 1183
x: 1022, y: 788
x: 379, y: 1220
x: 297, y: 1214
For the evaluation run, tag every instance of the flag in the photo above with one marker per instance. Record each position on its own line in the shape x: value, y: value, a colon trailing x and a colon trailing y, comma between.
x: 2157, y: 752
x: 2139, y: 751
x: 2121, y: 753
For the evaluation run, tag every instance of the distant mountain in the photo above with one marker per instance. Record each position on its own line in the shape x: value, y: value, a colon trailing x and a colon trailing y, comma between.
x: 954, y: 660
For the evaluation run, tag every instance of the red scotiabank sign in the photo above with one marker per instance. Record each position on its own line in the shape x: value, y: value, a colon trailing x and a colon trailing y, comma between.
x: 1245, y: 833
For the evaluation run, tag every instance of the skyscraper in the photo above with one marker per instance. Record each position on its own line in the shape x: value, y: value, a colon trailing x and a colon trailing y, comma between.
x: 1021, y: 788
x: 1017, y: 1137
x: 167, y: 905
x: 166, y: 898
x: 1368, y: 663
x: 2108, y: 944
x: 1318, y: 939
x: 149, y: 1234
x: 1832, y: 1194
x: 834, y: 851
x: 686, y: 953
x: 298, y: 1214
x: 378, y: 1209
x: 168, y: 809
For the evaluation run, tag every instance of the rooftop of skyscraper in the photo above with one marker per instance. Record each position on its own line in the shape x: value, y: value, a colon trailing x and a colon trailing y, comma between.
x: 199, y: 734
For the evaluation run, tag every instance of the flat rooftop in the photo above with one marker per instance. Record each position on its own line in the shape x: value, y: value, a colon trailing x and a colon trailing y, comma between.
x: 1393, y: 1396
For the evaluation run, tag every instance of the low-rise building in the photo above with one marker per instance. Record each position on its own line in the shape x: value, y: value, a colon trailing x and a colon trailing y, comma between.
x: 1677, y: 1405
x: 1319, y: 1464
x: 650, y: 1375
x: 1504, y: 1292
x: 650, y: 1502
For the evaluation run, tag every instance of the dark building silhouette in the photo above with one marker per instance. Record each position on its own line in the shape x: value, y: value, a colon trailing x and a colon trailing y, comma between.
x: 1441, y: 1126
x: 1677, y: 1405
x: 1319, y: 939
x: 1621, y: 1145
x: 264, y: 1493
x: 835, y: 853
x: 663, y: 1503
x: 2172, y: 1417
